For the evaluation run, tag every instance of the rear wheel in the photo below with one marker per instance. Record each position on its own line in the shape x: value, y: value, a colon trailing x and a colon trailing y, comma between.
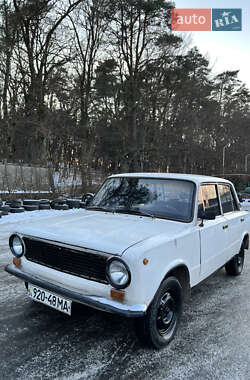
x: 235, y: 266
x: 160, y: 324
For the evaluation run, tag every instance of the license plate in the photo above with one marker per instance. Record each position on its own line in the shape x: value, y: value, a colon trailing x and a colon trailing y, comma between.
x: 50, y: 299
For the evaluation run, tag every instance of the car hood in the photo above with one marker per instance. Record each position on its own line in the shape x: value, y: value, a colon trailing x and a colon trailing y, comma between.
x: 101, y: 231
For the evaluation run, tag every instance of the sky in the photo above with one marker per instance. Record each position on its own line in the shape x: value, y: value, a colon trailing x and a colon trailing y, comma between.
x: 225, y: 50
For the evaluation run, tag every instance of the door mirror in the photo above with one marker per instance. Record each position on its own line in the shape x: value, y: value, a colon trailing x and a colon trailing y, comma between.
x: 207, y: 215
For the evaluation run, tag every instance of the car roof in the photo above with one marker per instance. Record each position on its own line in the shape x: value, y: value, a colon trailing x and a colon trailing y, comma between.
x: 188, y: 177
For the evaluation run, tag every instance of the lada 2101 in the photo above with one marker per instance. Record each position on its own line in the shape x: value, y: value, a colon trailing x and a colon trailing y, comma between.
x: 141, y: 244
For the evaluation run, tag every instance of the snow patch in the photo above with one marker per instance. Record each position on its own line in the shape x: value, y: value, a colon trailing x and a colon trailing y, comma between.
x: 29, y: 216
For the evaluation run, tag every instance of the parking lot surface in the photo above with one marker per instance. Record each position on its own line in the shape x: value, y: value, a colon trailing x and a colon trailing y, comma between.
x: 37, y: 342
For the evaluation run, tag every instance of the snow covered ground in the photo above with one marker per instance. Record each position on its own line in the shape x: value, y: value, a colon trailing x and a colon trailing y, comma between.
x: 29, y: 217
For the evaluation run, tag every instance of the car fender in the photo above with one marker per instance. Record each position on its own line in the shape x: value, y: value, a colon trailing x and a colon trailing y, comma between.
x: 150, y: 263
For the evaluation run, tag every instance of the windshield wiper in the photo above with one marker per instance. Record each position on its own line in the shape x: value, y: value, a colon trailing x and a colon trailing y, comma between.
x: 135, y: 212
x: 122, y: 210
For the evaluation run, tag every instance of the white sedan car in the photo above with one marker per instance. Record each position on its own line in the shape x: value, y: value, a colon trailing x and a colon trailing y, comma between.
x: 142, y: 243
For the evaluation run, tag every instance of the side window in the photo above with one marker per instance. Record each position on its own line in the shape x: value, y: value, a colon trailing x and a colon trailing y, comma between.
x: 227, y: 199
x: 235, y: 203
x: 200, y: 202
x: 208, y: 195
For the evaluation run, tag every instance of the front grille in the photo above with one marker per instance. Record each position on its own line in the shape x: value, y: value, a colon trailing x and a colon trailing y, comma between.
x: 79, y: 263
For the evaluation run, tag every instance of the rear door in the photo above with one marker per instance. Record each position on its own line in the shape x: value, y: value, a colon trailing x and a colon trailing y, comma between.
x: 213, y: 233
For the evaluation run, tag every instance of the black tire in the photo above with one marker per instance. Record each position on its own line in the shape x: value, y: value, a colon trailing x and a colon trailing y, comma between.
x: 4, y: 213
x: 87, y: 197
x: 14, y: 203
x: 44, y: 201
x: 61, y: 207
x: 235, y: 266
x: 160, y: 324
x: 83, y: 204
x: 31, y: 202
x: 1, y: 214
x: 5, y: 208
x: 31, y: 208
x: 58, y: 201
x: 73, y: 203
x: 17, y: 210
x: 44, y: 206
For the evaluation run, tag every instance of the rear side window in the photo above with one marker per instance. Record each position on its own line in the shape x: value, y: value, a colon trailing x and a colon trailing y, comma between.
x: 208, y: 199
x: 227, y: 199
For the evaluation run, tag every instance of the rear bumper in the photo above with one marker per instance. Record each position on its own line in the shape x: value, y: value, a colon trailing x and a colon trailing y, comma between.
x: 110, y: 306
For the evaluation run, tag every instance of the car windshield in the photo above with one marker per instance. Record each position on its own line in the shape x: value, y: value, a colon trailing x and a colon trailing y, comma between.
x: 164, y: 198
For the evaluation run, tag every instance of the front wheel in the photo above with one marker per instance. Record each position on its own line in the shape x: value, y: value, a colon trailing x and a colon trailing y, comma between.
x: 160, y: 324
x: 235, y: 266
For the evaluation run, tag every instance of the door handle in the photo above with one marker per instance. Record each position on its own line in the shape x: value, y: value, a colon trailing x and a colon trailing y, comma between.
x: 225, y: 227
x: 242, y: 220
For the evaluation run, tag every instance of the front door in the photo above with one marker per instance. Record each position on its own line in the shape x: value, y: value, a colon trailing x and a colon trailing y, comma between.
x: 213, y: 234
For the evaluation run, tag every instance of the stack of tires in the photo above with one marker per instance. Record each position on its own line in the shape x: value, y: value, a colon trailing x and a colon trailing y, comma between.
x: 44, y: 204
x: 31, y: 204
x: 62, y: 203
x: 4, y: 209
x: 35, y: 204
x: 73, y: 203
x: 59, y: 204
x: 15, y: 206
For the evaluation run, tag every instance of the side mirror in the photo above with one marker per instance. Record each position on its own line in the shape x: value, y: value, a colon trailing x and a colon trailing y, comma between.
x: 207, y: 215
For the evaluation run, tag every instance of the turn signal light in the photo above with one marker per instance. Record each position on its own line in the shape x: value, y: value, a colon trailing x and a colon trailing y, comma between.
x: 17, y: 261
x: 117, y: 295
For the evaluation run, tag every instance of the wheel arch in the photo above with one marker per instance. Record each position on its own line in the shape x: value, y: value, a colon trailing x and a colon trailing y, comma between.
x: 246, y: 241
x: 182, y: 274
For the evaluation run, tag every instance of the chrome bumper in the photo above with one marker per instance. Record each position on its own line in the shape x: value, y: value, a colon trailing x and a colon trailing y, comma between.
x: 110, y: 306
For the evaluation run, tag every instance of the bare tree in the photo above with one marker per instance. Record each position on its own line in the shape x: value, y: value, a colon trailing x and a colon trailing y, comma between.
x: 39, y: 22
x: 134, y: 29
x: 88, y: 23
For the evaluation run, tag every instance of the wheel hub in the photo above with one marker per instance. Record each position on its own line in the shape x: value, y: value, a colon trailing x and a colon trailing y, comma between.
x: 166, y: 317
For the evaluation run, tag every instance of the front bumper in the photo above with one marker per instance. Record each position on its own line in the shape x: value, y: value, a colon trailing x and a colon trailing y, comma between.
x: 100, y: 303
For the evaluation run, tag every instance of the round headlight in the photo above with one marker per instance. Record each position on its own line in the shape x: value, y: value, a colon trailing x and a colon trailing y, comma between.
x: 16, y: 245
x: 118, y: 273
